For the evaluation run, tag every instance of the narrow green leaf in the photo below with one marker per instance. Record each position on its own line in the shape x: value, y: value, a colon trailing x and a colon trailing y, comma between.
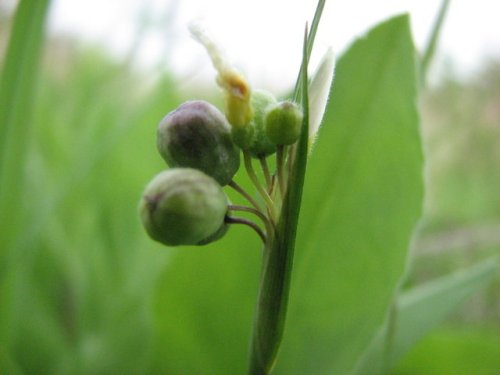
x: 458, y: 350
x: 425, y: 306
x: 309, y: 46
x: 278, y: 256
x: 362, y: 199
x: 17, y: 93
x: 430, y: 48
x: 421, y: 309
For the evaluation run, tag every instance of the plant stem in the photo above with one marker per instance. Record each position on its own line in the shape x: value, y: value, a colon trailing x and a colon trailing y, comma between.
x: 390, y: 334
x: 264, y: 218
x: 251, y: 224
x: 265, y: 169
x: 291, y: 157
x: 251, y: 173
x: 273, y: 184
x: 244, y: 193
x: 272, y: 305
x: 280, y: 153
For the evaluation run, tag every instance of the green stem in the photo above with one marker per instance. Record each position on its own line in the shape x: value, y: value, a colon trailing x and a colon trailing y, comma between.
x: 251, y: 173
x: 280, y: 153
x: 245, y: 195
x: 290, y: 158
x: 249, y: 223
x: 259, y: 214
x: 273, y: 184
x: 390, y: 335
x: 265, y: 169
x: 271, y: 309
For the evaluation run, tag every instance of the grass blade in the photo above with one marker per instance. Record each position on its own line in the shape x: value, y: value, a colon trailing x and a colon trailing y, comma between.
x: 420, y: 310
x: 278, y: 255
x: 432, y: 42
x: 309, y: 46
x: 17, y: 93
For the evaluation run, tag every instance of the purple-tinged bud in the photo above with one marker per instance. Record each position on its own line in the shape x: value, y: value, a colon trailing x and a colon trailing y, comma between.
x: 197, y: 135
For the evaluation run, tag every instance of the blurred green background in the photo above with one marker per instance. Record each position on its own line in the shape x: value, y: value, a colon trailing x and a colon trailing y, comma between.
x: 79, y: 275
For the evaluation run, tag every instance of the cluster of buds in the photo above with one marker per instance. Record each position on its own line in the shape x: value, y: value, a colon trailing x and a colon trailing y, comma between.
x: 186, y: 204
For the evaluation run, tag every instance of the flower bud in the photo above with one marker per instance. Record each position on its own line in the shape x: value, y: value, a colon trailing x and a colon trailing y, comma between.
x: 261, y: 146
x: 197, y: 135
x: 216, y: 236
x: 283, y: 123
x: 238, y: 94
x: 183, y: 206
x: 236, y: 88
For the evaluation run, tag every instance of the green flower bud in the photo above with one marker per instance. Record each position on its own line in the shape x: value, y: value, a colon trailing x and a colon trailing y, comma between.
x: 183, y: 206
x: 216, y: 236
x: 283, y: 123
x: 261, y: 145
x: 197, y: 135
x: 243, y: 135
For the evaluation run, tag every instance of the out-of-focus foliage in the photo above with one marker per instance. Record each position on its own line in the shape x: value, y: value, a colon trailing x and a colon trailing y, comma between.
x: 77, y: 279
x: 458, y: 351
x: 461, y: 127
x: 462, y: 138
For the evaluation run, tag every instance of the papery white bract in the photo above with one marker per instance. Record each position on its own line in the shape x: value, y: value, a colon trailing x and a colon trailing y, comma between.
x: 319, y: 90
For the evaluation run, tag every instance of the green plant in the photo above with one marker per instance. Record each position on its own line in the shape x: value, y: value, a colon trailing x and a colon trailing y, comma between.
x: 375, y: 155
x: 251, y: 114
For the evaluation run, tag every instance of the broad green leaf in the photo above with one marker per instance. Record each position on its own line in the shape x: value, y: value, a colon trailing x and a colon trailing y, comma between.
x: 362, y: 199
x: 420, y: 309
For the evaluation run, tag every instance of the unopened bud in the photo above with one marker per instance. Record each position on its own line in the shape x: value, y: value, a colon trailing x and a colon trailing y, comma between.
x: 197, y: 135
x: 183, y: 206
x: 261, y: 146
x: 283, y: 123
